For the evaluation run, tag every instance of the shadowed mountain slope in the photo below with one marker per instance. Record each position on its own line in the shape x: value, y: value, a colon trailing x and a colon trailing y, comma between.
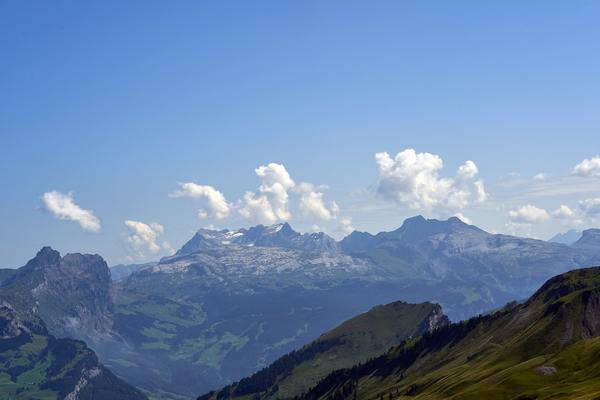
x: 35, y: 365
x: 356, y: 340
x: 545, y: 348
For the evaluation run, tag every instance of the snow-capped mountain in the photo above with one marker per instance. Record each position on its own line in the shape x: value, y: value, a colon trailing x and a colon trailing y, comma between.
x: 231, y: 301
x: 279, y: 235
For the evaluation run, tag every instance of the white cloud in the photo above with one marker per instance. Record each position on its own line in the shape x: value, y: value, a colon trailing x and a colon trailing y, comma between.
x: 215, y: 206
x: 529, y: 214
x: 540, y: 177
x: 143, y: 236
x: 345, y: 226
x: 589, y: 167
x: 590, y: 207
x: 518, y: 229
x: 413, y: 179
x: 467, y: 171
x: 312, y: 203
x: 270, y: 203
x: 62, y: 206
x: 464, y: 218
x: 257, y: 208
x: 480, y: 194
x: 563, y: 212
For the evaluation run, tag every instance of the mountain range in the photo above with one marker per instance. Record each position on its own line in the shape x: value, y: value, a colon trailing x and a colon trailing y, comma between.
x: 229, y: 303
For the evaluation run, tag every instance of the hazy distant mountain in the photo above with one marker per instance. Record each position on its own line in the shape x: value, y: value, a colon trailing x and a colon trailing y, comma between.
x: 589, y: 241
x: 357, y: 340
x: 122, y: 271
x: 481, y: 268
x: 263, y: 294
x: 228, y: 303
x: 545, y: 348
x: 280, y: 235
x: 36, y: 365
x: 569, y: 237
x: 233, y: 309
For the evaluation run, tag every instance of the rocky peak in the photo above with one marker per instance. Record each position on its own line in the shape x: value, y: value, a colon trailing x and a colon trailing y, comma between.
x: 71, y: 294
x: 357, y: 242
x: 589, y: 238
x: 569, y: 237
x: 419, y: 226
x: 435, y: 320
x: 46, y: 257
x: 278, y: 235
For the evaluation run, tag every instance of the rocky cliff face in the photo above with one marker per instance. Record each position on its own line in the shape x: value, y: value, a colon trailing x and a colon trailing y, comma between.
x: 71, y: 293
x: 36, y: 365
x: 435, y: 320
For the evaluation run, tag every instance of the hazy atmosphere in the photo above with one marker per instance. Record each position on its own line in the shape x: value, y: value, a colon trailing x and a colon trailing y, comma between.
x: 299, y: 200
x: 134, y: 102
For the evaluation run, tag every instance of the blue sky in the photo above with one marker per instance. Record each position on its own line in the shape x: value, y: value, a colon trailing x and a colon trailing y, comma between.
x: 119, y: 102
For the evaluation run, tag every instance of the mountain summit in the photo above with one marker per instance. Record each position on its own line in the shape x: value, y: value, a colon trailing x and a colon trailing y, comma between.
x: 71, y: 293
x: 279, y: 235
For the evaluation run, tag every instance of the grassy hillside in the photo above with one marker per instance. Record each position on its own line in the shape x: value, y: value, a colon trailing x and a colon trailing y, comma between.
x: 35, y: 365
x: 356, y: 340
x: 546, y: 348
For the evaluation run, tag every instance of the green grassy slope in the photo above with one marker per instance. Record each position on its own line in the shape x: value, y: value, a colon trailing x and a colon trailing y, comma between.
x: 356, y: 340
x: 35, y: 365
x: 546, y: 348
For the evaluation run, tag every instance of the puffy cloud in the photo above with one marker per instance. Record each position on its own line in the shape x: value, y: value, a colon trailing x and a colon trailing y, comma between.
x: 270, y: 203
x: 312, y: 203
x: 467, y: 171
x: 62, y: 206
x: 590, y: 207
x: 540, y: 177
x: 345, y: 226
x: 413, y: 179
x: 215, y: 204
x: 529, y: 214
x: 589, y: 167
x: 518, y: 229
x: 563, y: 212
x: 143, y: 236
x: 257, y: 208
